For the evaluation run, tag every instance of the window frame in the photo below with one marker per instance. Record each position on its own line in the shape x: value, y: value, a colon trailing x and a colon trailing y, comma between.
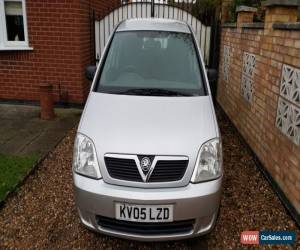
x: 13, y: 45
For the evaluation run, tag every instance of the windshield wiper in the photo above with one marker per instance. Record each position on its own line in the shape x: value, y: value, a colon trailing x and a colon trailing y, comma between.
x: 153, y: 92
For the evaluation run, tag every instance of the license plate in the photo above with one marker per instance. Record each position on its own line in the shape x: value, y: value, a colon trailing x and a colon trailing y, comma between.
x: 144, y: 213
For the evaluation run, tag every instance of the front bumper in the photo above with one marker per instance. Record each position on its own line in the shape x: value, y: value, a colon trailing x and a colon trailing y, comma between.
x: 199, y: 202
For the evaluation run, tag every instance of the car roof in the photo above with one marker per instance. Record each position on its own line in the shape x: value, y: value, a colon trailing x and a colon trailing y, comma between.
x: 158, y: 24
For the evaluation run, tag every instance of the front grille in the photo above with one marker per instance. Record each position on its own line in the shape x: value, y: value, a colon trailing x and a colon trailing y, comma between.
x: 143, y: 228
x: 164, y: 171
x: 123, y: 169
x: 168, y: 171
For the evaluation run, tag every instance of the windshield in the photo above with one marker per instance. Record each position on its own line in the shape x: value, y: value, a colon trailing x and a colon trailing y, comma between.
x: 156, y: 63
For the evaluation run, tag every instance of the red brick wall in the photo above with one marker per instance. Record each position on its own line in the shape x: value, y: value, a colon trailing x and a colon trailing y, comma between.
x: 256, y: 120
x: 60, y: 34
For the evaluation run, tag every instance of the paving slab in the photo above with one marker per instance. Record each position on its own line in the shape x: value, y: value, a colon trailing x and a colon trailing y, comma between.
x: 22, y: 132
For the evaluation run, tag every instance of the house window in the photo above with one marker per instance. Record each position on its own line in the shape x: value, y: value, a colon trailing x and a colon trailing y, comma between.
x: 13, y: 25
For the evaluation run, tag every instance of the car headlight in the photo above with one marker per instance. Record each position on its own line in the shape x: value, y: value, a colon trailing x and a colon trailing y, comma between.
x: 84, y: 158
x: 209, y: 162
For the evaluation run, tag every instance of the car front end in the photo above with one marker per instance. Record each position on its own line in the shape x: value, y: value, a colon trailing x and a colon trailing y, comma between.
x: 195, y: 209
x: 136, y: 180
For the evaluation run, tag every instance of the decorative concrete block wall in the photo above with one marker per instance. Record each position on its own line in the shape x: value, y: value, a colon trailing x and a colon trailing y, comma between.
x: 259, y: 89
x: 249, y: 61
x: 288, y: 112
x: 226, y: 63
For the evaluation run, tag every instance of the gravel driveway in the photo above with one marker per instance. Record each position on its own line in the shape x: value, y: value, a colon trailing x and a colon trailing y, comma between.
x: 42, y: 214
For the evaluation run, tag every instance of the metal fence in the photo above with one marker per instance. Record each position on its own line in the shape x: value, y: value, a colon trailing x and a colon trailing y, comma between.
x: 141, y: 9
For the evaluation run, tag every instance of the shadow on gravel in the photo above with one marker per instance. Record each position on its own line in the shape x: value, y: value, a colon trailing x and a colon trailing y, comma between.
x: 42, y: 214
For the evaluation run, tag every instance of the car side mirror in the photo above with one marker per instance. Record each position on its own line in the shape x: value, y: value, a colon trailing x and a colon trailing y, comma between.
x: 90, y: 72
x: 212, y: 75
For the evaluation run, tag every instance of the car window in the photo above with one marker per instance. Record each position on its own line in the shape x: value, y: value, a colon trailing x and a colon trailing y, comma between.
x: 151, y: 60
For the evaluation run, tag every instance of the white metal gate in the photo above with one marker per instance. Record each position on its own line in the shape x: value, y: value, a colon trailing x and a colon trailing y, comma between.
x: 106, y: 25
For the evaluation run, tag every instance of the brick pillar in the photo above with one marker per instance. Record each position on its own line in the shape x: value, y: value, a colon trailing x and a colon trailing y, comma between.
x: 280, y: 11
x: 245, y: 15
x: 46, y: 102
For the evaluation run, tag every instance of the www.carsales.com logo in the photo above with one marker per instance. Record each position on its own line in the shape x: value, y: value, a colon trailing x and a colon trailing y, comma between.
x: 250, y: 237
x: 268, y: 237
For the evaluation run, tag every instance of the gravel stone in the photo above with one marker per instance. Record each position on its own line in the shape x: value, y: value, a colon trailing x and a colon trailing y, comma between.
x: 42, y: 213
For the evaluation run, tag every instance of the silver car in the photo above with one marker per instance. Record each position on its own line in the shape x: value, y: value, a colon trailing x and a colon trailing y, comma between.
x: 148, y: 157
